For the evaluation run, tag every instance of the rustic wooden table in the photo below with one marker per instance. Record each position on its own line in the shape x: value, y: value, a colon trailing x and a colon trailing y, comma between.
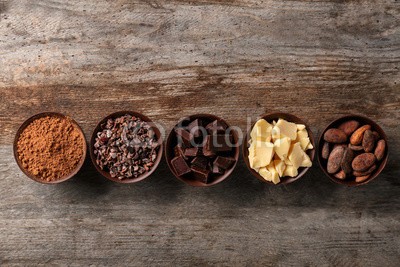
x: 166, y: 59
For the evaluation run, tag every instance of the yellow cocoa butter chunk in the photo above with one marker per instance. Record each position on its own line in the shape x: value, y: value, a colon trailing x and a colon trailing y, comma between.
x: 306, y: 161
x: 300, y: 127
x: 290, y: 171
x: 274, y: 173
x: 282, y: 147
x: 261, y: 131
x: 279, y: 166
x: 265, y: 174
x: 301, y: 134
x: 310, y: 146
x: 296, y: 155
x: 262, y: 154
x: 288, y: 129
x: 304, y: 142
x: 276, y: 133
x: 303, y: 138
x: 252, y: 152
x: 287, y: 162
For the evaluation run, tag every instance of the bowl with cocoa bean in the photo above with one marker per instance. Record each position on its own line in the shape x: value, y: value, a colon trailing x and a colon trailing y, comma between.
x: 352, y: 150
x: 202, y: 150
x: 126, y: 147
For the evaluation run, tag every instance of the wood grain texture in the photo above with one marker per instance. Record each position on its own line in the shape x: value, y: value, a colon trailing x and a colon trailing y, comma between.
x: 167, y: 59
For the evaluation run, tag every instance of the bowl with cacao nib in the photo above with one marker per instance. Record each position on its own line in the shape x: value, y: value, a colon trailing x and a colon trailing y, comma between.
x: 126, y: 147
x: 353, y: 150
x: 202, y: 150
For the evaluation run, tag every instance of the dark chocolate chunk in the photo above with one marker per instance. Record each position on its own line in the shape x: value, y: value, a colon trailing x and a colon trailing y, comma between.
x: 216, y: 127
x: 184, y: 137
x: 224, y: 162
x: 217, y: 170
x: 200, y: 174
x: 179, y: 151
x: 222, y: 142
x: 208, y: 150
x: 195, y: 128
x: 180, y: 166
x: 192, y: 152
x: 200, y: 161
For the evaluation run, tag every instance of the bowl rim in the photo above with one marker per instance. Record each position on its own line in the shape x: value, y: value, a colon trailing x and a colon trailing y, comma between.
x: 169, y: 149
x: 269, y: 117
x: 116, y: 115
x: 27, y: 122
x: 363, y: 120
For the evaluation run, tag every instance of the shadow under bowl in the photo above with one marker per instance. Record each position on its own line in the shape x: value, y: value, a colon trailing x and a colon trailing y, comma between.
x: 99, y: 128
x: 172, y: 141
x: 269, y: 118
x: 29, y: 121
x: 363, y: 121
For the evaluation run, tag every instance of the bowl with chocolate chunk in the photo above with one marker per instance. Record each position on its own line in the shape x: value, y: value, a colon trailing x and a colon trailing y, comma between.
x: 126, y: 147
x: 279, y: 148
x: 202, y: 150
x: 352, y: 150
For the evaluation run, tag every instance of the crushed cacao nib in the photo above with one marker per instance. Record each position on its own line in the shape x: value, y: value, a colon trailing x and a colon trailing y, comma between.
x: 126, y: 147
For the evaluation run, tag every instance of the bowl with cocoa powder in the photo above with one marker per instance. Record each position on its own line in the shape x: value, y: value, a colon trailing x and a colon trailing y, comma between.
x: 353, y: 150
x: 126, y: 147
x: 50, y: 147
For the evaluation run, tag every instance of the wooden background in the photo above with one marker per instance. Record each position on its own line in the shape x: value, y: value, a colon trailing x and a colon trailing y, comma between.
x: 236, y: 59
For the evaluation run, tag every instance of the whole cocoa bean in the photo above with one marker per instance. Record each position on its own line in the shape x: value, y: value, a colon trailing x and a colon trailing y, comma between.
x: 376, y: 135
x: 357, y: 137
x: 347, y: 160
x: 348, y: 127
x: 340, y: 175
x: 369, y: 171
x: 336, y: 145
x: 363, y: 162
x: 325, y: 150
x: 334, y: 160
x: 356, y: 148
x: 361, y: 179
x: 380, y: 149
x: 368, y: 141
x: 335, y: 136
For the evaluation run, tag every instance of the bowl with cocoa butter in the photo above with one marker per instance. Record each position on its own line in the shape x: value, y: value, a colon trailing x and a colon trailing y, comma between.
x: 126, y: 147
x: 352, y: 150
x: 278, y: 148
x: 50, y: 147
x: 202, y: 150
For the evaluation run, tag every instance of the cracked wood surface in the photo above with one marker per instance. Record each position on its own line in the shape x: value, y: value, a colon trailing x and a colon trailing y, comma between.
x: 167, y: 59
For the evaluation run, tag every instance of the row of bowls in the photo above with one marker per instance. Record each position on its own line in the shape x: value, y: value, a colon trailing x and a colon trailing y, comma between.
x: 172, y: 139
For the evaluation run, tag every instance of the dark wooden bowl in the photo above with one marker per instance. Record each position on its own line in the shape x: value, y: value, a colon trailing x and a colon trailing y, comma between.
x: 172, y: 141
x: 269, y: 118
x: 140, y: 177
x: 25, y: 124
x: 363, y: 120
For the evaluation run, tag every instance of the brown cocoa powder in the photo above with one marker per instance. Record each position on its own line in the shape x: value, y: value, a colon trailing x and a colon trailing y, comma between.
x: 50, y: 148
